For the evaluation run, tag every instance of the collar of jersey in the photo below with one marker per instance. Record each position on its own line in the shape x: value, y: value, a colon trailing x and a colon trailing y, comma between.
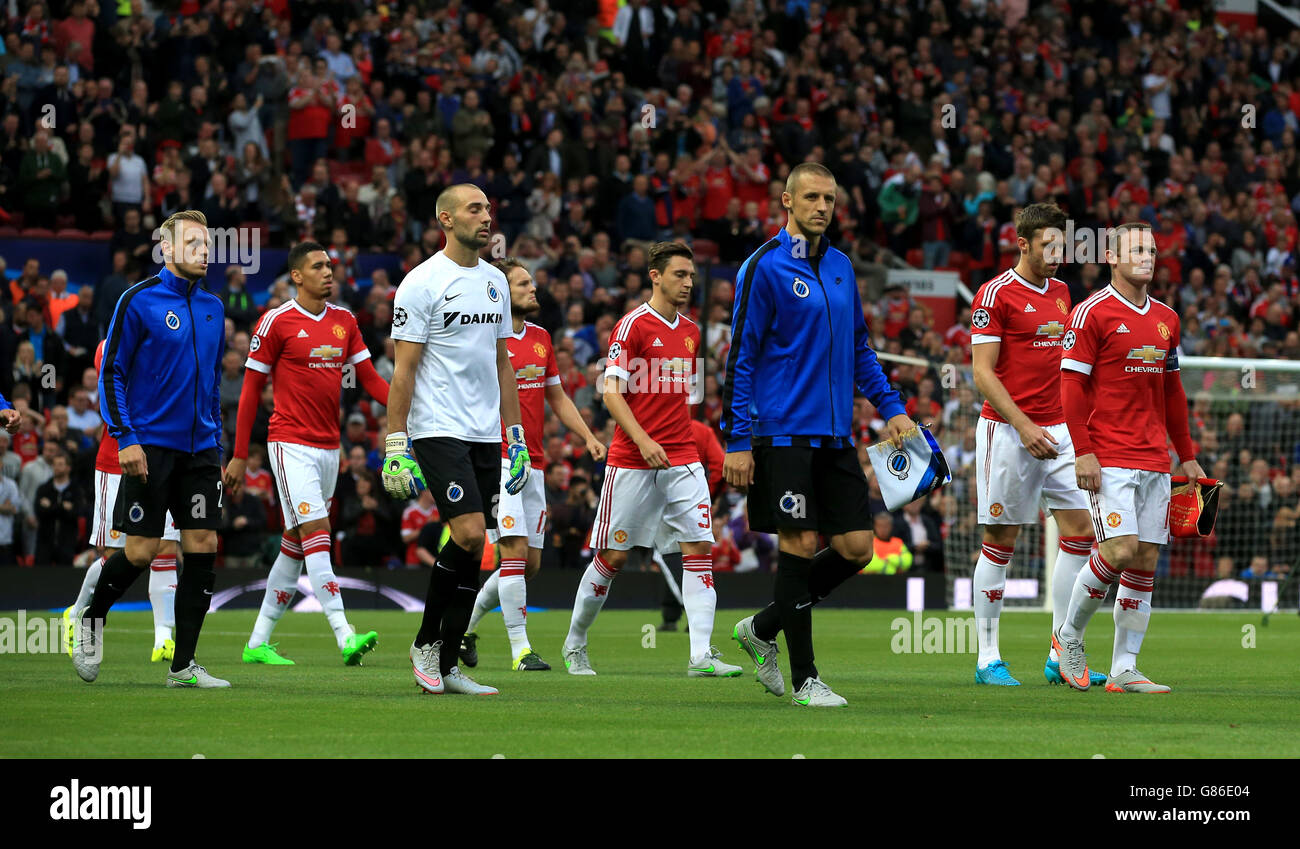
x: 783, y: 236
x: 1142, y: 310
x: 299, y: 307
x: 1029, y: 285
x: 677, y: 319
x: 177, y: 284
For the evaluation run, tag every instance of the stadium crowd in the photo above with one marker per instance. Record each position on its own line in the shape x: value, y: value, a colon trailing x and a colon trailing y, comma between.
x: 597, y: 127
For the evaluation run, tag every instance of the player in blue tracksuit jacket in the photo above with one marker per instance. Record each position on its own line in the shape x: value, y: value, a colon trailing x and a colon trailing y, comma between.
x: 9, y: 417
x: 159, y: 392
x: 798, y: 351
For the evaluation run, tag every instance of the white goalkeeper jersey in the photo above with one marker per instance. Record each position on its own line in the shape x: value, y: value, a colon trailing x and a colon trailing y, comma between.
x: 458, y: 314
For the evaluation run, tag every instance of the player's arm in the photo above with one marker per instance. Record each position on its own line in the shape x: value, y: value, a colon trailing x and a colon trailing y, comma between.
x: 516, y: 447
x: 1176, y: 418
x: 123, y: 340
x: 1078, y: 354
x: 402, y: 476
x: 871, y: 380
x: 569, y: 416
x: 984, y: 360
x: 751, y: 317
x: 371, y: 381
x: 652, y: 451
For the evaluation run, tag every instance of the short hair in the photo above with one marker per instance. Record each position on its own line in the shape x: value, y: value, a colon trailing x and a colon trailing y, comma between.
x: 661, y: 252
x: 814, y: 169
x: 298, y: 254
x: 1116, y: 234
x: 1039, y: 216
x: 169, y: 227
x: 448, y: 196
x: 510, y: 262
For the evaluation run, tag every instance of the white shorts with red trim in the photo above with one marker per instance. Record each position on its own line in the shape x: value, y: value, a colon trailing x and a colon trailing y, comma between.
x: 305, y: 477
x: 1132, y: 502
x: 524, y: 513
x: 102, y: 534
x: 1013, y: 485
x: 637, y: 507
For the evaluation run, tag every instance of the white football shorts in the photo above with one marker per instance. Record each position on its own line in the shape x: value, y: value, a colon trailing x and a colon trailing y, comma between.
x: 305, y: 477
x: 524, y: 513
x: 1132, y: 502
x: 639, y: 507
x: 1012, y: 484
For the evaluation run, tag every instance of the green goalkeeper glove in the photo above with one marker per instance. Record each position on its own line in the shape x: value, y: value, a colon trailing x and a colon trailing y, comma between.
x: 402, y: 476
x: 520, y: 463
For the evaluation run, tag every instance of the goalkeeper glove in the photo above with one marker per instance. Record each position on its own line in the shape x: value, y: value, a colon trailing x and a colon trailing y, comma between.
x: 520, y: 463
x: 402, y: 476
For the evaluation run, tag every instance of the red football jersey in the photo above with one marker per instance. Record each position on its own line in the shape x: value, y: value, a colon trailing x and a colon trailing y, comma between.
x: 657, y: 358
x: 305, y: 355
x: 106, y: 460
x: 533, y: 359
x: 1126, y: 350
x: 1029, y: 322
x: 415, y: 517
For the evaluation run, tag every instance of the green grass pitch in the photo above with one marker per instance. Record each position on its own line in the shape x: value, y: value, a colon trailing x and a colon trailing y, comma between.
x: 1229, y: 700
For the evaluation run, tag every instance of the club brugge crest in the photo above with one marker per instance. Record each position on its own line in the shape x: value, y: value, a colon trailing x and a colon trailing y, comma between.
x: 800, y: 288
x: 493, y: 293
x: 455, y: 492
x: 173, y: 321
x: 136, y: 513
x: 899, y: 463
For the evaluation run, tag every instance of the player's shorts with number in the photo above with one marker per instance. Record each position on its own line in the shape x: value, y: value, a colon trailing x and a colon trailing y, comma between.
x: 179, y: 485
x: 1013, y: 484
x: 1131, y: 502
x: 524, y: 513
x: 102, y: 534
x: 637, y: 504
x: 304, y: 480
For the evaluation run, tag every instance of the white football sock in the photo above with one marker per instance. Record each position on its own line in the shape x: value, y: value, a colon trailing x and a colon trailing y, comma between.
x: 1088, y: 594
x: 488, y: 598
x: 700, y: 600
x: 316, y: 551
x: 162, y: 597
x: 514, y: 605
x: 281, y: 584
x: 990, y: 580
x: 88, y: 585
x: 1073, y: 554
x: 593, y: 589
x: 1132, y: 616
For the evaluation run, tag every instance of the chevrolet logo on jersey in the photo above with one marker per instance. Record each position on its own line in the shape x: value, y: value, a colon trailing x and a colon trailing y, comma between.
x: 448, y: 318
x: 531, y: 372
x: 1147, y: 354
x: 677, y: 367
x: 1052, y: 328
x: 327, y: 352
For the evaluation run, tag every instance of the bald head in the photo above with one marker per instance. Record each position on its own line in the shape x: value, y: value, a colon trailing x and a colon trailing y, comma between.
x: 454, y: 197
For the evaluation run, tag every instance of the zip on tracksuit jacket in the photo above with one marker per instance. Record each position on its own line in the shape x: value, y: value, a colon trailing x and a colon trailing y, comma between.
x: 161, y: 379
x: 798, y: 350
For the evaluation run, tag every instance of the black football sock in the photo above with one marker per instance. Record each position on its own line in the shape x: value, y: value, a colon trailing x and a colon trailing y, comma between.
x: 443, y: 581
x: 455, y: 619
x: 829, y: 570
x: 794, y: 605
x: 193, y: 598
x: 115, y: 577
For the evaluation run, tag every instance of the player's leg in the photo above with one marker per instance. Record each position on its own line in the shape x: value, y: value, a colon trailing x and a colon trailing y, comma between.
x: 162, y: 592
x: 281, y: 585
x: 194, y: 496
x: 506, y: 585
x: 629, y: 503
x: 1137, y: 580
x: 102, y: 537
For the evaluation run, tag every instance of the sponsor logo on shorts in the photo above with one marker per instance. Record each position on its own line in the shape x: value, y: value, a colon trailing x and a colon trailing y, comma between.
x: 794, y: 504
x: 455, y: 492
x: 136, y: 513
x: 995, y: 509
x: 620, y: 537
x: 1113, y: 520
x: 114, y: 534
x: 800, y: 288
x: 979, y: 319
x: 899, y: 463
x: 508, y: 522
x: 172, y: 320
x: 304, y: 508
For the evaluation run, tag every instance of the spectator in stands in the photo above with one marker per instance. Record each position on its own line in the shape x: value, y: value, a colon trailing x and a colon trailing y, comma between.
x: 40, y: 182
x: 236, y: 299
x: 244, y: 530
x: 573, y: 511
x: 368, y: 525
x: 58, y: 506
x: 891, y: 553
x: 129, y: 178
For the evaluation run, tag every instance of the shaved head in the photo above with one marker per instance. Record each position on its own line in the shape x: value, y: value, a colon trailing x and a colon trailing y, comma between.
x: 453, y: 197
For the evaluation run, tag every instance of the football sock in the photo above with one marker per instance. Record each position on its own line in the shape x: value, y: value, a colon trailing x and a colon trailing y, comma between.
x: 794, y: 604
x: 455, y: 618
x: 1132, y: 616
x: 700, y: 599
x: 1073, y: 554
x: 193, y: 598
x: 162, y: 597
x: 443, y: 580
x: 1088, y: 594
x: 514, y: 604
x: 989, y: 581
x: 488, y: 598
x: 593, y: 589
x: 281, y: 584
x: 829, y: 570
x: 115, y: 578
x: 88, y: 584
x: 316, y: 553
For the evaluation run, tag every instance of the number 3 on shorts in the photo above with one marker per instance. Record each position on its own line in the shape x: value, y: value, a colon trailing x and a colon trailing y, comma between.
x: 704, y: 514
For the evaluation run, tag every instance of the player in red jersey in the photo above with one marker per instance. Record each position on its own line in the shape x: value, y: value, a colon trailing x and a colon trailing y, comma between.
x: 1124, y: 401
x: 304, y: 346
x: 653, y: 475
x: 1023, y: 454
x: 162, y: 570
x: 521, y: 518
